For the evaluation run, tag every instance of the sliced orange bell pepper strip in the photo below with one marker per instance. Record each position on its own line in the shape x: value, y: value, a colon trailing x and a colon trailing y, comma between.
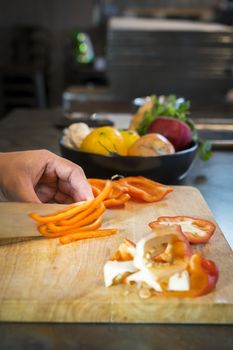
x: 94, y: 203
x: 70, y: 213
x: 90, y: 227
x: 116, y: 202
x: 141, y: 188
x: 62, y: 214
x: 87, y: 219
x: 78, y: 221
x: 88, y: 234
x: 98, y: 185
x: 117, y: 195
x: 95, y: 190
x: 43, y: 229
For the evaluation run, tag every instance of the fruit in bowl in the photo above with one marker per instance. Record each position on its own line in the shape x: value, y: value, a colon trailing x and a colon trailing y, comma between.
x: 130, y: 136
x: 168, y: 116
x: 104, y: 140
x: 104, y: 152
x: 175, y: 130
x: 151, y: 145
x: 108, y: 140
x: 160, y: 127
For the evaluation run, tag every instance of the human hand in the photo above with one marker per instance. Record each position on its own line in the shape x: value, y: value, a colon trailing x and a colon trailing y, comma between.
x: 41, y: 176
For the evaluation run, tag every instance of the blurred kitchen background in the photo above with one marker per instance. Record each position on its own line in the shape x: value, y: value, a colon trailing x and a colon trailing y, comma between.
x: 66, y: 53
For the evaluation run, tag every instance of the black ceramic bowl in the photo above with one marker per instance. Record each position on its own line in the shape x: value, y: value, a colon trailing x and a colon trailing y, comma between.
x: 166, y: 169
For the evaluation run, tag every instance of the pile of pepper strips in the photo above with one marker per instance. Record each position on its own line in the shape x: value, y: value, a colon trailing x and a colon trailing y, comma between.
x: 82, y: 221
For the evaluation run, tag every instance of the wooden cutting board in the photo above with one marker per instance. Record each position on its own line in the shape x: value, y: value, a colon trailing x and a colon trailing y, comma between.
x: 41, y: 280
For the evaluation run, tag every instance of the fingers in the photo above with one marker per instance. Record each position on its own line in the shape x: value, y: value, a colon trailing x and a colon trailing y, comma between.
x: 41, y: 176
x: 46, y: 192
x: 80, y: 188
x: 71, y: 179
x: 63, y: 198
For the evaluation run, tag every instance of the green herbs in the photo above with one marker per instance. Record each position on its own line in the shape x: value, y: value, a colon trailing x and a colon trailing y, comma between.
x: 204, y: 150
x: 168, y: 106
x: 171, y: 106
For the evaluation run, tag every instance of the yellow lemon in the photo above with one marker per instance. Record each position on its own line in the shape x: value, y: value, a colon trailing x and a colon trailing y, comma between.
x: 104, y: 140
x: 130, y: 136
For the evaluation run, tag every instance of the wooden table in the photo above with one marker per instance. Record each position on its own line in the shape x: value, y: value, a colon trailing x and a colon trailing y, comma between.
x: 24, y: 129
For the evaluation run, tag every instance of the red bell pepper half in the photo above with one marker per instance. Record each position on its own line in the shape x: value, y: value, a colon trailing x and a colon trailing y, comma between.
x: 196, y: 230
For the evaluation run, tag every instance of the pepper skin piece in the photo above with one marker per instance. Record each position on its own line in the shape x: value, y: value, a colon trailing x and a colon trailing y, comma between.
x: 196, y: 230
x: 203, y: 279
x: 143, y: 189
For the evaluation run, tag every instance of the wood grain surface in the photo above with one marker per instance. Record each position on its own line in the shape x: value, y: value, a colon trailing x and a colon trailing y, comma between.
x: 41, y: 280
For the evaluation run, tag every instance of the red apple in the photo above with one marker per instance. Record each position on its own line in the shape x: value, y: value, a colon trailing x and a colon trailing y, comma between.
x: 176, y: 131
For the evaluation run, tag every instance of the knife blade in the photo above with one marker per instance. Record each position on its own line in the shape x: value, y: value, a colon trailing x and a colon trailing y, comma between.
x: 15, y: 221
